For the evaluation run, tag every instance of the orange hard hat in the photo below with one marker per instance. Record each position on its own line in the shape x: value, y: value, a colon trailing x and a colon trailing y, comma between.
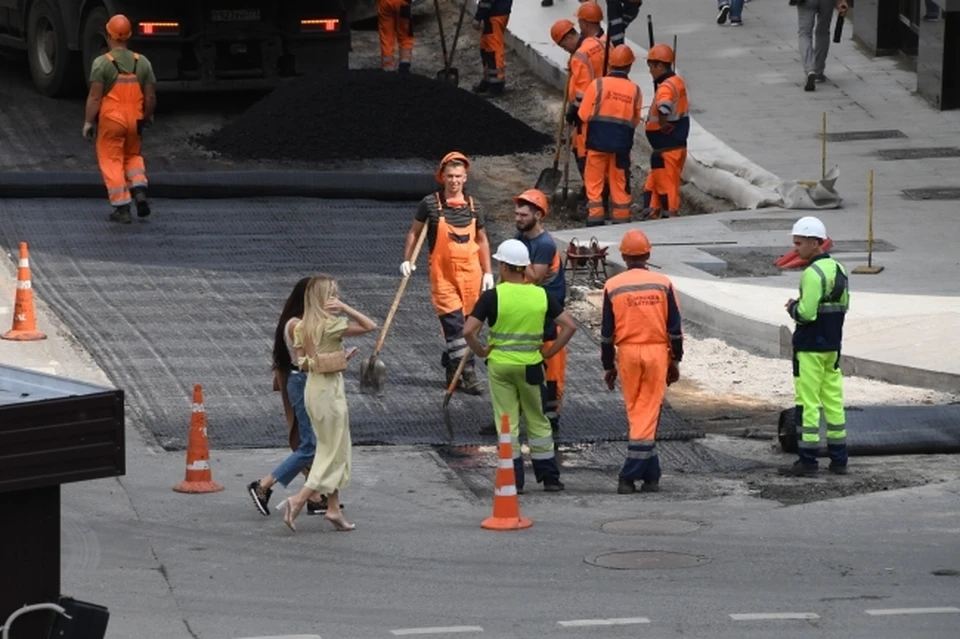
x: 118, y: 27
x: 450, y: 157
x: 534, y: 197
x: 660, y: 53
x: 635, y: 243
x: 559, y: 29
x: 590, y: 12
x: 622, y: 56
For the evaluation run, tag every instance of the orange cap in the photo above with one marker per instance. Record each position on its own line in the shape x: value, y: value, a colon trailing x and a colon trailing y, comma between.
x: 622, y: 56
x: 559, y: 29
x: 635, y: 243
x: 118, y: 27
x: 660, y: 53
x: 590, y: 12
x: 450, y: 157
x: 534, y: 197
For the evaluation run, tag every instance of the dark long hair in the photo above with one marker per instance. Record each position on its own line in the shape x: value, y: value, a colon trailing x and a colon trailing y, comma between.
x: 292, y: 308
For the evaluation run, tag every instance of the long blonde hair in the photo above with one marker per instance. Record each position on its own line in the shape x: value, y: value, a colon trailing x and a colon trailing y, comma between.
x: 319, y: 290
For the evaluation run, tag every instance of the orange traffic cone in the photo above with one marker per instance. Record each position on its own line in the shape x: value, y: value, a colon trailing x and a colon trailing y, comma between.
x: 199, y: 478
x: 506, y: 506
x: 24, y: 318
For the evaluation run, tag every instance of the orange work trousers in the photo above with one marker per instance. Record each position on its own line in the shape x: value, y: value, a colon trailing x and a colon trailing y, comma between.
x: 393, y: 23
x: 613, y: 168
x: 663, y: 181
x: 642, y: 369
x: 556, y: 374
x: 118, y: 154
x: 492, y: 50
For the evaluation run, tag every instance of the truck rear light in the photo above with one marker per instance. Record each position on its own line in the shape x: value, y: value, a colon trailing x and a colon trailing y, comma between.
x: 159, y: 28
x: 326, y: 25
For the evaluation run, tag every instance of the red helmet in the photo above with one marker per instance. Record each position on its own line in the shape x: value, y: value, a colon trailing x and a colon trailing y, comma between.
x: 534, y: 197
x: 450, y: 157
x: 118, y: 27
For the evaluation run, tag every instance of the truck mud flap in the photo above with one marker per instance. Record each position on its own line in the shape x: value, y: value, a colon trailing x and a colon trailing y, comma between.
x: 372, y: 185
x: 888, y: 430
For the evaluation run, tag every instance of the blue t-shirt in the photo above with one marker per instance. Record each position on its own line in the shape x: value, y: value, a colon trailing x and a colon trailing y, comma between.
x: 543, y: 250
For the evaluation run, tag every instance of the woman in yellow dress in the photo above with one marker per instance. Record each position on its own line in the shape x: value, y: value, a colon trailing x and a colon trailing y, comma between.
x: 318, y: 340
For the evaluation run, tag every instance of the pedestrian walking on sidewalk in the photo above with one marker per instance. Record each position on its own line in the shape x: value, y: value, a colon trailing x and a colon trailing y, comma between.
x: 459, y: 261
x: 120, y: 105
x: 814, y: 17
x: 641, y: 340
x: 667, y: 128
x: 318, y: 340
x: 732, y: 9
x: 491, y: 21
x: 290, y: 381
x: 516, y: 311
x: 817, y: 339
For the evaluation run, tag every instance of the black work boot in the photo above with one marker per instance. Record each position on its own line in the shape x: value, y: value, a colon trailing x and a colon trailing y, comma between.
x: 650, y: 487
x: 552, y: 485
x: 626, y: 487
x: 837, y: 469
x: 121, y: 215
x: 140, y: 197
x: 469, y: 382
x: 798, y: 469
x: 481, y: 87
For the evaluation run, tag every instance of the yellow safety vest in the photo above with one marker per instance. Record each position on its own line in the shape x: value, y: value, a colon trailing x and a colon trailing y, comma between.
x: 517, y: 335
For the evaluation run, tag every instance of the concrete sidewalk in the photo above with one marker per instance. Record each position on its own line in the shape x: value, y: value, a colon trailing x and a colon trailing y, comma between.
x: 747, y: 102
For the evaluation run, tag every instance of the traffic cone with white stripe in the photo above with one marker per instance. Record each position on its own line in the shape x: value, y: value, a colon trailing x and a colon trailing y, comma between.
x: 506, y: 505
x: 199, y: 478
x: 24, y: 317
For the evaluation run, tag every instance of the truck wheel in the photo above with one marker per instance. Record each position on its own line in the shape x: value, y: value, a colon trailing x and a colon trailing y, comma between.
x: 93, y: 37
x: 55, y: 69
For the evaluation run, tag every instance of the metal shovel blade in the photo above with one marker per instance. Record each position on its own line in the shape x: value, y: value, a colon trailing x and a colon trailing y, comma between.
x: 549, y: 180
x: 450, y: 76
x: 372, y: 374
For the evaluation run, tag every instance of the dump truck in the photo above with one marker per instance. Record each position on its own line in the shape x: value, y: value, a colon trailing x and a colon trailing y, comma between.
x: 194, y: 45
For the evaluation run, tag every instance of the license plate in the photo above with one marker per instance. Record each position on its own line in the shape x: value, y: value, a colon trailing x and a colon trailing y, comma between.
x: 235, y: 15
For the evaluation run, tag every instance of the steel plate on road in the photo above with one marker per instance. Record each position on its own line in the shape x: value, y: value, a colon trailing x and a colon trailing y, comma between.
x: 235, y: 15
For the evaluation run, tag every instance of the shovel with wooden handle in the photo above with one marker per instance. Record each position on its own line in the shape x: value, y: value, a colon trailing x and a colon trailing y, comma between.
x: 550, y: 178
x: 372, y: 370
x: 446, y: 398
x: 450, y: 73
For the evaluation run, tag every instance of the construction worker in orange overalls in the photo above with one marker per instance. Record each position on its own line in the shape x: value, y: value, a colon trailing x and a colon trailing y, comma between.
x: 120, y: 104
x: 586, y: 65
x: 546, y: 270
x: 667, y: 127
x: 641, y: 340
x: 611, y: 112
x: 395, y: 26
x: 491, y: 20
x: 459, y: 261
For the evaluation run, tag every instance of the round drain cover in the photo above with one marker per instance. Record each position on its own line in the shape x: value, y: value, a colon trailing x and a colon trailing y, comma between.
x: 650, y: 527
x: 646, y: 560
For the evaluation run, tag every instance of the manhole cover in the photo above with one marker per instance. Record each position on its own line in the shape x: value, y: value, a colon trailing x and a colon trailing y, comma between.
x: 650, y: 527
x: 851, y: 136
x: 920, y: 154
x: 646, y: 560
x: 933, y: 194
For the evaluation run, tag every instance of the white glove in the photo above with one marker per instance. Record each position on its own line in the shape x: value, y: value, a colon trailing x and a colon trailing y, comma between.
x: 488, y: 282
x: 406, y: 268
x: 87, y: 129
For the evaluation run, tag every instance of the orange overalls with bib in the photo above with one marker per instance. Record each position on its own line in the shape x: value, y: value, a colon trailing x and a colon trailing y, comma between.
x: 586, y: 65
x: 118, y: 140
x: 395, y: 28
x: 641, y: 318
x: 455, y: 279
x: 611, y: 113
x: 493, y: 16
x: 669, y: 143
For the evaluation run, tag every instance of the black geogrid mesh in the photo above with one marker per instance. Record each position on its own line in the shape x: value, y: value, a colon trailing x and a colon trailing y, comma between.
x: 193, y: 296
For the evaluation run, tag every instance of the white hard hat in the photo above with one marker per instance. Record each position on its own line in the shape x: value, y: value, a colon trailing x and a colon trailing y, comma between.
x: 810, y: 227
x: 513, y: 252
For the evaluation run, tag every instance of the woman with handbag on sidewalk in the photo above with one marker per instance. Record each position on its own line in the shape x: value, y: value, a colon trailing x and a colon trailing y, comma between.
x: 290, y: 381
x: 318, y: 340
